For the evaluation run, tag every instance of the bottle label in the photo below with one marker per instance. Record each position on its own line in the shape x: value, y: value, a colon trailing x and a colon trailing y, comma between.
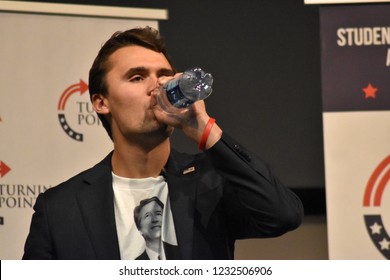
x: 175, y: 96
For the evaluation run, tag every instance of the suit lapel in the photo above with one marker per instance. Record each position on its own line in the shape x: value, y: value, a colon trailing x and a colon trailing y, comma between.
x: 96, y: 204
x: 180, y: 174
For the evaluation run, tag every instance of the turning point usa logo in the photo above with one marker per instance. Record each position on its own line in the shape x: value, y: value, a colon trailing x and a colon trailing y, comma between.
x: 75, y: 111
x: 372, y: 202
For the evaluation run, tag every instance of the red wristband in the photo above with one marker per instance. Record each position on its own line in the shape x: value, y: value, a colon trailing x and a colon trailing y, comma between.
x: 206, y: 134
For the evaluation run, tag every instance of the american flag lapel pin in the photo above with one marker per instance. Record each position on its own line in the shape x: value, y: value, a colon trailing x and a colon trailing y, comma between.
x: 189, y: 170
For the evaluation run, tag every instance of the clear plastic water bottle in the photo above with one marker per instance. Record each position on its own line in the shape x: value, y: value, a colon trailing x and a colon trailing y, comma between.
x: 180, y: 92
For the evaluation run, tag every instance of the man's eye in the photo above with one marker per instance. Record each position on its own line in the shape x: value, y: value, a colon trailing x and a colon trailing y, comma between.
x: 136, y: 78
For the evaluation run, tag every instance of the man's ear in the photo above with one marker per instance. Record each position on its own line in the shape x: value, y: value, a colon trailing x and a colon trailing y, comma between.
x: 99, y: 103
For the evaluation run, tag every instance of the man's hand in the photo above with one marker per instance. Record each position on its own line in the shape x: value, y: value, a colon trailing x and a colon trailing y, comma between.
x: 191, y: 120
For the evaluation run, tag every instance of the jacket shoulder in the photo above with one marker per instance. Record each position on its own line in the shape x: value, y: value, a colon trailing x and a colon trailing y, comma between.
x: 81, y: 179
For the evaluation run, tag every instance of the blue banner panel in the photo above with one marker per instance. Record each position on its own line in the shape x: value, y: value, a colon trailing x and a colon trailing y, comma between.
x: 355, y: 56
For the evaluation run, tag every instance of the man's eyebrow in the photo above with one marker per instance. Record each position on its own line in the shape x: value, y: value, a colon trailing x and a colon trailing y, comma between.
x: 144, y: 71
x: 136, y: 70
x: 165, y: 72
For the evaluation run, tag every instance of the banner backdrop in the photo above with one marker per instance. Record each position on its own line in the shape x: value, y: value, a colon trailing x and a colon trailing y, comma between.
x: 355, y: 42
x: 48, y: 129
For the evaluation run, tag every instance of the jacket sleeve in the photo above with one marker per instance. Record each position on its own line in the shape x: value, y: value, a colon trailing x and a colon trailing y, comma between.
x: 261, y: 206
x: 38, y: 244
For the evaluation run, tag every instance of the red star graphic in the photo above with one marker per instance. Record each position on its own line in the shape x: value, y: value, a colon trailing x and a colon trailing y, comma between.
x: 370, y: 91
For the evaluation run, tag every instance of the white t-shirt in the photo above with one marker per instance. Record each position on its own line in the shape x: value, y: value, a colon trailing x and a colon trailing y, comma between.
x: 128, y: 193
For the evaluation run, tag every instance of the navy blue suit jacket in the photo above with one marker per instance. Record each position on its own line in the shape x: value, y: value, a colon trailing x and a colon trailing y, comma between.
x: 230, y: 194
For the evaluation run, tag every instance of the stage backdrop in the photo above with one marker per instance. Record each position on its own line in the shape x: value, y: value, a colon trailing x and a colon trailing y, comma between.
x: 48, y: 129
x: 355, y: 43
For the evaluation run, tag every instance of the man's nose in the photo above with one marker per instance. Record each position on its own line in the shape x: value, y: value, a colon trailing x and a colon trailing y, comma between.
x: 156, y: 218
x: 153, y: 84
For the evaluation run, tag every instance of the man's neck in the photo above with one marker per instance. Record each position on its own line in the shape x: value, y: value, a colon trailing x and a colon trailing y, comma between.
x: 133, y: 161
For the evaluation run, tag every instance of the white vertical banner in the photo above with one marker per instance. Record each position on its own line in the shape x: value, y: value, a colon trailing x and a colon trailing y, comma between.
x: 48, y: 129
x: 355, y: 46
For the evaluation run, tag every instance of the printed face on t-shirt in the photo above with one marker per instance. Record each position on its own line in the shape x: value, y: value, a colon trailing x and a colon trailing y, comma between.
x: 150, y: 220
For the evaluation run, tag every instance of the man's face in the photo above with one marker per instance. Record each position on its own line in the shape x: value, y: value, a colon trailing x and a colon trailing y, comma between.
x: 134, y: 72
x: 150, y: 220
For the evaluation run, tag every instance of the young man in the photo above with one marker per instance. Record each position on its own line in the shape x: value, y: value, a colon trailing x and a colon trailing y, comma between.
x: 210, y: 199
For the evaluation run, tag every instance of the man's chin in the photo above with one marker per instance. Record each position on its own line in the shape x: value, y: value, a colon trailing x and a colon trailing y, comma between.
x: 161, y: 131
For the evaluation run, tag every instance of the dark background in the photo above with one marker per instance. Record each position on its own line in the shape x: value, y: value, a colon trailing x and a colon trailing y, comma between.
x: 265, y: 59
